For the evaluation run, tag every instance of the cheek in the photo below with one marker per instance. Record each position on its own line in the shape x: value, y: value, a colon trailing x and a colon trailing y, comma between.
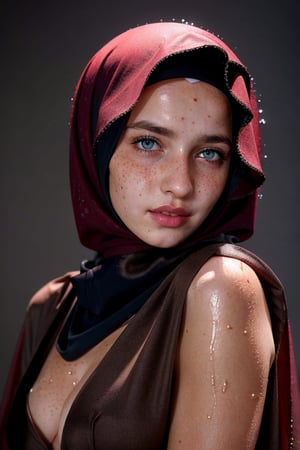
x: 127, y: 180
x: 211, y: 186
x: 116, y: 181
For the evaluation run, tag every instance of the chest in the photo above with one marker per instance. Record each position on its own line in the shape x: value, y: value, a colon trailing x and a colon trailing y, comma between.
x: 57, y: 386
x: 118, y: 396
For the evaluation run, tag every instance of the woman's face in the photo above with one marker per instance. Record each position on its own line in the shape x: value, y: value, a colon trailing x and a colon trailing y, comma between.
x: 172, y: 161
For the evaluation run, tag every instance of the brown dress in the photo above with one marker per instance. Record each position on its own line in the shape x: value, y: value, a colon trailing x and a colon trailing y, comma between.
x: 120, y: 408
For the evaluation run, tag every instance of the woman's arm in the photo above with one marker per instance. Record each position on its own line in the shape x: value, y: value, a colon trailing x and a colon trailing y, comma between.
x: 225, y: 353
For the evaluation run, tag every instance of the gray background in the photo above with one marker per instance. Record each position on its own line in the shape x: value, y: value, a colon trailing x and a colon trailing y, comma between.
x: 44, y: 47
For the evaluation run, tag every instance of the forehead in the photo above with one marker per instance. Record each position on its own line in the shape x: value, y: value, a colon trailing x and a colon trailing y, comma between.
x: 178, y: 93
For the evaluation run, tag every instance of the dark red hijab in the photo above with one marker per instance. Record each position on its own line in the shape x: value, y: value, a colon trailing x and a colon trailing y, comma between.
x: 110, y: 86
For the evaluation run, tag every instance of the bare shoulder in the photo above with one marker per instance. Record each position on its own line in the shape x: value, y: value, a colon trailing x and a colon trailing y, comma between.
x: 228, y: 290
x: 53, y: 288
x: 231, y: 281
x: 224, y: 356
x: 225, y: 272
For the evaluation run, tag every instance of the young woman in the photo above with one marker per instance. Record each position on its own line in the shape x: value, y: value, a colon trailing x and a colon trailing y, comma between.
x: 173, y: 337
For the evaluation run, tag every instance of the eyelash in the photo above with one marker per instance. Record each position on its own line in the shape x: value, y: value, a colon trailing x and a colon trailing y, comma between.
x: 219, y: 153
x: 140, y: 139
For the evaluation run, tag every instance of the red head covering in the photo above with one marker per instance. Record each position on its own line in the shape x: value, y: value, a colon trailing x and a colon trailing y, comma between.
x: 110, y: 86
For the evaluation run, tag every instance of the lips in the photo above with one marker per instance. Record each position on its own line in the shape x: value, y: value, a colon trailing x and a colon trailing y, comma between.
x: 169, y: 216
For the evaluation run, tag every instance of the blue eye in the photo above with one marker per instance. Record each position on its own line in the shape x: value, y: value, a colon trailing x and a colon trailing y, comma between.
x: 147, y: 143
x: 210, y: 154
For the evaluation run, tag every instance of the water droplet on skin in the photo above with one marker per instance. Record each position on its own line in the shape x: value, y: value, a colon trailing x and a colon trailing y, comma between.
x: 253, y: 396
x: 69, y: 372
x: 229, y: 327
x: 245, y: 332
x: 209, y: 417
x: 214, y: 307
x: 225, y: 386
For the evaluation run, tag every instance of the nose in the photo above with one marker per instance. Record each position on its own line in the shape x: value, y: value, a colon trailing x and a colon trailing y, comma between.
x: 176, y: 177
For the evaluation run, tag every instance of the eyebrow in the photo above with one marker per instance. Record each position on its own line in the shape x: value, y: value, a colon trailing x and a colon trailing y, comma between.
x: 218, y: 139
x: 163, y: 131
x: 150, y: 126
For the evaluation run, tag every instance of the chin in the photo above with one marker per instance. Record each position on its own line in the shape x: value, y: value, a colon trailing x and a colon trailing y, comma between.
x: 167, y: 243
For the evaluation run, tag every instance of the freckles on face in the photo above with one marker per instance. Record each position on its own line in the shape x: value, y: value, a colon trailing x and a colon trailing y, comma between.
x: 172, y: 161
x: 127, y: 182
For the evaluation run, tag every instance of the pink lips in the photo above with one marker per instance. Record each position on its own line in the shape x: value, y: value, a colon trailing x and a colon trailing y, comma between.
x: 171, y: 217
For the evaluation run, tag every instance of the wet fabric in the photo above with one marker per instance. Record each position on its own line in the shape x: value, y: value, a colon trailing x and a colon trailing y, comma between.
x: 115, y: 411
